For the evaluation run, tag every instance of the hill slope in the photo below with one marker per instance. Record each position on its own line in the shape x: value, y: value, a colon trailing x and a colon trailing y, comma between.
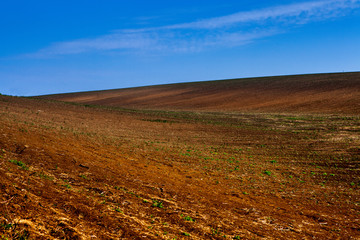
x: 323, y: 93
x: 81, y: 172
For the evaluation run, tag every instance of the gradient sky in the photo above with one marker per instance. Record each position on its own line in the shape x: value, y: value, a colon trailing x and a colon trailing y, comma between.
x: 80, y: 45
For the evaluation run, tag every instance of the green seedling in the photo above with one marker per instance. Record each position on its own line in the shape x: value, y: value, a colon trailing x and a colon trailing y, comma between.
x: 44, y: 176
x: 67, y: 186
x: 83, y: 176
x: 20, y: 164
x: 266, y: 172
x: 215, y: 231
x: 158, y: 204
x: 6, y: 226
x: 187, y: 218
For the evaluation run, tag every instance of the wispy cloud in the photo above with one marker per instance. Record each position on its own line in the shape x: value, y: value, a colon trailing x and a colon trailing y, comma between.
x: 293, y: 13
x: 102, y: 43
x: 231, y: 30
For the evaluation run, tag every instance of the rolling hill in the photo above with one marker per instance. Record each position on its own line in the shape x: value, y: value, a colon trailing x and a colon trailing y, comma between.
x: 222, y: 170
x: 312, y: 93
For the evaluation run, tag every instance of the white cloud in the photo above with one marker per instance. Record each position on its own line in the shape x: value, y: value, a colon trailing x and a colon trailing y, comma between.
x: 231, y: 30
x: 315, y: 9
x: 103, y: 43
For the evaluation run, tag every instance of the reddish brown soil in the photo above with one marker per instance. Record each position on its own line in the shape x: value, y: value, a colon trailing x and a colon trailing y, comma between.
x: 315, y: 93
x: 70, y: 171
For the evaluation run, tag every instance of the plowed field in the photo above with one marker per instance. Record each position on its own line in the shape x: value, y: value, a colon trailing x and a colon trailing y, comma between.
x: 73, y: 171
x: 313, y: 93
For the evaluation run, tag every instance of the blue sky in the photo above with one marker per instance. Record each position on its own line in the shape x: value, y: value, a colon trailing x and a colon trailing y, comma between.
x: 66, y: 46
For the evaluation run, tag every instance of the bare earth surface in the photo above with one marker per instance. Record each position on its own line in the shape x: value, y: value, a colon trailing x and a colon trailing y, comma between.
x: 73, y: 171
x: 316, y: 93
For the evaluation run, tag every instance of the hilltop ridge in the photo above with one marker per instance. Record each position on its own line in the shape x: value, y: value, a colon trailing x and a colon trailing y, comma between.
x: 312, y: 93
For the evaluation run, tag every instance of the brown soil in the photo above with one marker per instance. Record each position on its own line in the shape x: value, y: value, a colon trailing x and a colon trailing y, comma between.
x: 71, y: 171
x: 314, y: 93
